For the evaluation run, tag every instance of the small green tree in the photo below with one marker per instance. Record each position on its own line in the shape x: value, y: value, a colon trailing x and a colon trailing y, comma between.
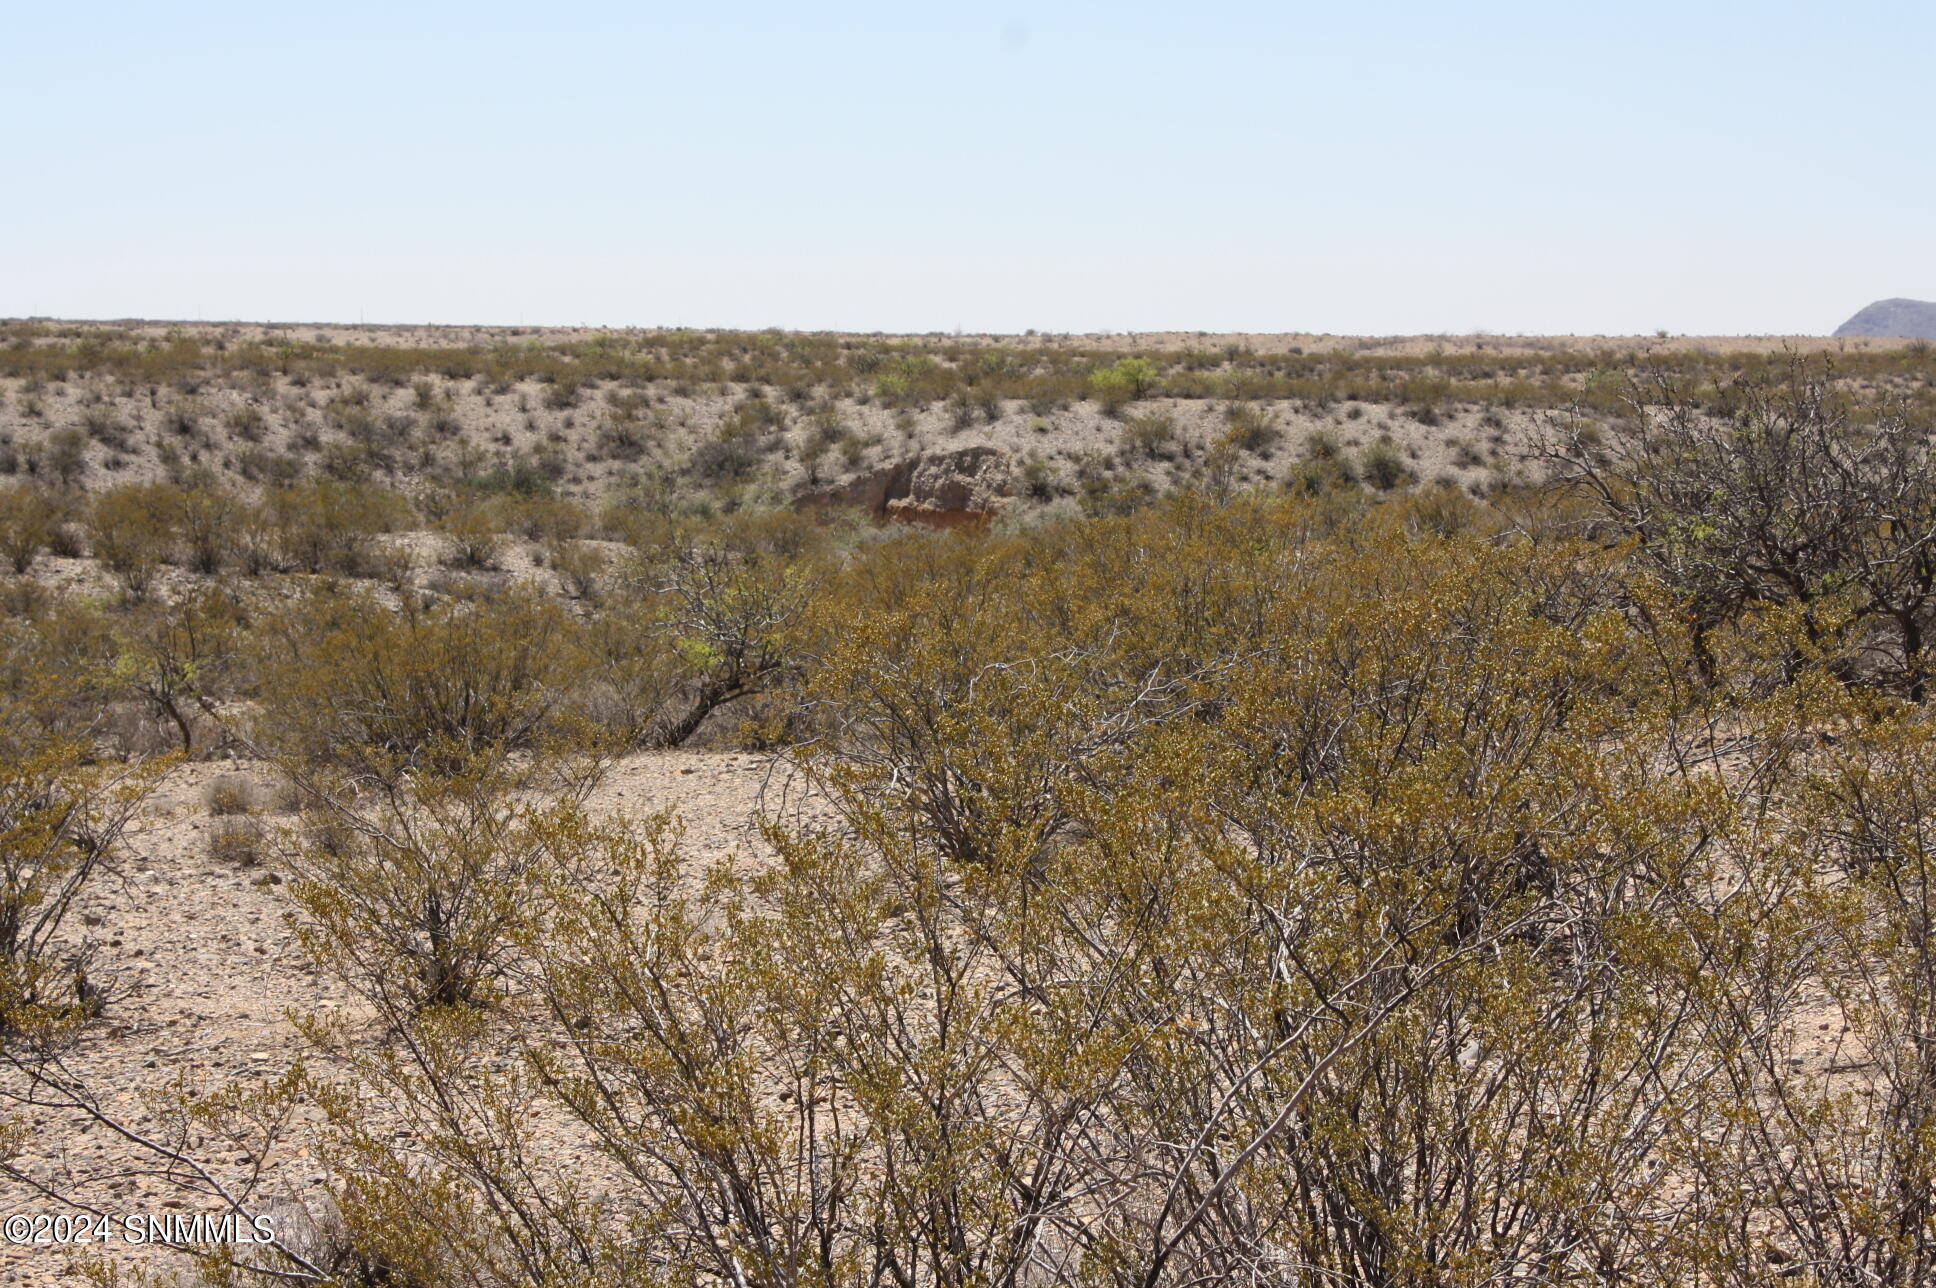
x: 1123, y: 381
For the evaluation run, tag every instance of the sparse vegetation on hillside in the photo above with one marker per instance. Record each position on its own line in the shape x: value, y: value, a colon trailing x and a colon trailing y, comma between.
x: 724, y: 420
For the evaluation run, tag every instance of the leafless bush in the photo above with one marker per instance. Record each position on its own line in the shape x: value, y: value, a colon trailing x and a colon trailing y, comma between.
x: 1773, y: 491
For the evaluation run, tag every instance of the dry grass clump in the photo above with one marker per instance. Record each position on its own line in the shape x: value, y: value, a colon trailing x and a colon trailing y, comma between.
x: 241, y: 842
x: 229, y: 795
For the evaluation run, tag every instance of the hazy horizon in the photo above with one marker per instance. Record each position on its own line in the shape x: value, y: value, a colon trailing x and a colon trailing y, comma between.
x: 500, y: 324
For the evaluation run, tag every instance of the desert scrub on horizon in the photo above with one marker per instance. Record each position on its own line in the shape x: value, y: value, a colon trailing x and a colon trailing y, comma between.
x: 430, y: 412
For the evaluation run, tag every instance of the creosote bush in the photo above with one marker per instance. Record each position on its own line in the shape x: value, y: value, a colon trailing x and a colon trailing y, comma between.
x: 26, y: 518
x: 132, y: 531
x: 342, y: 678
x: 60, y: 821
x: 1215, y: 891
x: 1779, y: 490
x: 1153, y: 437
x: 328, y: 526
x: 1251, y: 429
x: 475, y: 537
x: 416, y: 886
x: 1338, y: 887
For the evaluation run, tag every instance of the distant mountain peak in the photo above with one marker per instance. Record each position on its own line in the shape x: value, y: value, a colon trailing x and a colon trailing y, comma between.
x: 1909, y: 319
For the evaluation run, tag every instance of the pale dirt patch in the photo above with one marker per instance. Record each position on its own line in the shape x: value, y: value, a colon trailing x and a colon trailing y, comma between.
x: 205, y: 969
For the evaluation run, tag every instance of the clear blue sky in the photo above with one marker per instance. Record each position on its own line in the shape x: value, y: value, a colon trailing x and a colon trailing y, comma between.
x: 1344, y: 167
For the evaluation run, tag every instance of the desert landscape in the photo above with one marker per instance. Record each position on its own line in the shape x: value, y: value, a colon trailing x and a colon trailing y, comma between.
x: 697, y: 421
x: 509, y: 806
x: 1061, y: 645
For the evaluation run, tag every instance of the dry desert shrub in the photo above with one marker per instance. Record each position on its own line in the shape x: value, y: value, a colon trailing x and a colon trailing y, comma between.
x: 1774, y: 488
x: 725, y: 604
x: 232, y: 795
x: 60, y: 821
x: 416, y: 887
x: 1192, y: 921
x: 242, y: 842
x: 1151, y: 437
x: 1249, y: 428
x: 55, y: 663
x: 330, y: 526
x: 1245, y: 889
x: 205, y: 518
x: 475, y: 536
x: 1381, y: 466
x: 26, y: 517
x: 1844, y: 1179
x: 132, y: 529
x: 344, y: 678
x: 181, y: 657
x: 697, y: 621
x: 580, y: 567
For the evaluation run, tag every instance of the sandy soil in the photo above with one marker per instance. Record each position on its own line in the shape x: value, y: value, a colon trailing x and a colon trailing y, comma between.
x: 205, y: 969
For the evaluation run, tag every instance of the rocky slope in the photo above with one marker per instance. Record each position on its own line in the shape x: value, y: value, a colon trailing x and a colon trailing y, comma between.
x: 1908, y: 319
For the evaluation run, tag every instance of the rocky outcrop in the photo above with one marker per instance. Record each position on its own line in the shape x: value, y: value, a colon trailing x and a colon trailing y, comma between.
x: 1908, y: 319
x: 870, y: 491
x: 959, y: 488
